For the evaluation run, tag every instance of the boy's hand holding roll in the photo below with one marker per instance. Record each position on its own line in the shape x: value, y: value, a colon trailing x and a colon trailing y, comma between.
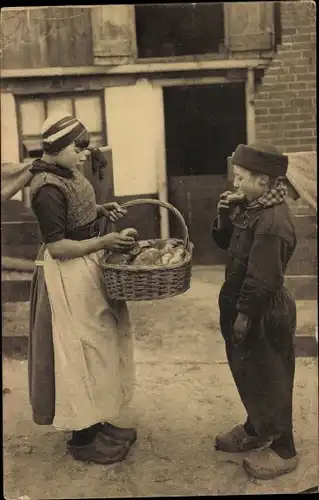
x: 223, y: 209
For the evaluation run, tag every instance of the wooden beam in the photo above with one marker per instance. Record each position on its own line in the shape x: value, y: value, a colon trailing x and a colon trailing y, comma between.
x: 60, y: 85
x: 250, y: 106
x: 140, y: 67
x: 200, y: 80
x: 42, y: 7
x: 16, y: 264
x: 160, y: 157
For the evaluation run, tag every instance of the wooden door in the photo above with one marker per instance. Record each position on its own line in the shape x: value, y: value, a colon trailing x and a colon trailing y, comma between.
x: 203, y: 126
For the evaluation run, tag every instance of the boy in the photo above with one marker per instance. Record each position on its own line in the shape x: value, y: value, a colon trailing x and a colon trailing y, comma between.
x: 257, y: 313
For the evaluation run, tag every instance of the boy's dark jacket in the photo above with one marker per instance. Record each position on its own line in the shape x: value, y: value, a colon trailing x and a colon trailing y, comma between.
x: 260, y: 243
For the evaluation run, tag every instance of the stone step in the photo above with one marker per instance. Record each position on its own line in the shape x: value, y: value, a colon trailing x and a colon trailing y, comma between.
x: 20, y: 251
x: 15, y: 210
x: 12, y: 264
x: 20, y: 239
x: 15, y: 290
x: 304, y: 259
x: 20, y: 233
x: 302, y: 287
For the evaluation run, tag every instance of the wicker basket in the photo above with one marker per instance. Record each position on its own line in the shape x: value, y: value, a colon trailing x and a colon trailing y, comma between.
x: 142, y: 282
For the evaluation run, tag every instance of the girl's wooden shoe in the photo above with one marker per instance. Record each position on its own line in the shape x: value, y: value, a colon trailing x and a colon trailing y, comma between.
x: 102, y: 450
x: 119, y: 433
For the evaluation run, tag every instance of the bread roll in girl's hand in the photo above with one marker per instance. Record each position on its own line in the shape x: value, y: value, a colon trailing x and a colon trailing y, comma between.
x: 130, y: 231
x: 125, y: 256
x: 118, y: 258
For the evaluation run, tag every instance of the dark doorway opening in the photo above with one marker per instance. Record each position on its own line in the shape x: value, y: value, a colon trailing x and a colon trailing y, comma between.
x: 203, y: 126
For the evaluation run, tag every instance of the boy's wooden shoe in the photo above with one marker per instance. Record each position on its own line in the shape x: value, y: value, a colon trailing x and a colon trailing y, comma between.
x: 119, y: 433
x: 237, y: 440
x: 102, y: 450
x: 266, y: 464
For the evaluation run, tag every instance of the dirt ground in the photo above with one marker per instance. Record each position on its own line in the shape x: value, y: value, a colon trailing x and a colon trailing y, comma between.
x: 184, y: 397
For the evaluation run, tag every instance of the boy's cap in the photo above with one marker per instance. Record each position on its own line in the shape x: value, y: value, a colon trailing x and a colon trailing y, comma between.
x: 261, y: 158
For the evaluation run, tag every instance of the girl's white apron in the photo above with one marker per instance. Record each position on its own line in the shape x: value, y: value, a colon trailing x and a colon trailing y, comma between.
x: 93, y: 351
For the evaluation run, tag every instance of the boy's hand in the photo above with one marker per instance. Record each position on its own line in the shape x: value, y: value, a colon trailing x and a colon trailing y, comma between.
x: 240, y: 328
x: 223, y: 209
x: 223, y: 205
x: 112, y: 211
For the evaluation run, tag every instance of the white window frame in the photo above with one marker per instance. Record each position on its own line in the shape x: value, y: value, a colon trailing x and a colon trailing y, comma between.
x: 62, y: 95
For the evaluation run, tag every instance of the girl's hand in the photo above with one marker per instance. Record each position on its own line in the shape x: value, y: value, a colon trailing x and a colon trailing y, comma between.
x: 116, y: 241
x: 112, y: 211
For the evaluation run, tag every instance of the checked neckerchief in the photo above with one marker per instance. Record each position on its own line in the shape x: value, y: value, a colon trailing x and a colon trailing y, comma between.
x: 274, y: 196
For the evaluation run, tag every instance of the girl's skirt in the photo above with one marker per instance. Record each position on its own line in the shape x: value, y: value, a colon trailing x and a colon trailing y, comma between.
x: 92, y: 339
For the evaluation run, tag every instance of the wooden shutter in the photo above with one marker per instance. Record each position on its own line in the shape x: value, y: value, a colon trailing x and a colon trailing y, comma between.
x: 46, y: 37
x: 69, y: 40
x: 113, y: 31
x: 23, y: 38
x: 249, y: 26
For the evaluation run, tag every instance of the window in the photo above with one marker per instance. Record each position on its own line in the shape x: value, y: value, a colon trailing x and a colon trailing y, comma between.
x: 178, y: 30
x: 33, y: 110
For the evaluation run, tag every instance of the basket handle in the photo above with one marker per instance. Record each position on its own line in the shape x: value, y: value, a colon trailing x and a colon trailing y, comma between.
x: 168, y: 206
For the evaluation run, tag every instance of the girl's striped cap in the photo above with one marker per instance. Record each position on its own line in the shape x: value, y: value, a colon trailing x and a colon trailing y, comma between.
x: 59, y: 131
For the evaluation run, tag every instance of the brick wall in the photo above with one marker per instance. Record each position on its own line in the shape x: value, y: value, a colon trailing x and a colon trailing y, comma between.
x: 285, y: 100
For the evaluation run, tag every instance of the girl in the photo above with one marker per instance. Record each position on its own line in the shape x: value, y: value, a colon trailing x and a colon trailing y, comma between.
x: 257, y: 313
x: 92, y: 373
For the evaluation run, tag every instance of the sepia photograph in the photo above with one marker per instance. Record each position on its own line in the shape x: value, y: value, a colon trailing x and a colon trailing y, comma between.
x: 159, y: 250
